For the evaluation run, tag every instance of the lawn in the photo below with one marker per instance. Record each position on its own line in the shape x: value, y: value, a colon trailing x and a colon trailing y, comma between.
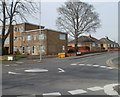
x: 20, y: 56
x: 17, y: 57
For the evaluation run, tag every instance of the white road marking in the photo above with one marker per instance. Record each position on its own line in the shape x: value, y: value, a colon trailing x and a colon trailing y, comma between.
x: 34, y: 60
x: 36, y: 70
x: 27, y: 96
x: 52, y: 94
x: 109, y: 68
x: 81, y: 64
x: 19, y: 62
x: 78, y: 91
x: 20, y: 68
x: 108, y: 89
x: 103, y: 66
x: 89, y: 65
x: 61, y: 70
x: 12, y: 73
x: 96, y: 65
x: 95, y: 88
x: 7, y: 65
x: 73, y: 64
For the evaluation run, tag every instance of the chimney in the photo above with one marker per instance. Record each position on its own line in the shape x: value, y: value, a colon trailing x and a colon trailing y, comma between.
x: 89, y: 35
x: 106, y: 37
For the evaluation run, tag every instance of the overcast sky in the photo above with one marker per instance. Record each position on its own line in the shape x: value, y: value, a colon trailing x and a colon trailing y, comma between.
x: 108, y: 12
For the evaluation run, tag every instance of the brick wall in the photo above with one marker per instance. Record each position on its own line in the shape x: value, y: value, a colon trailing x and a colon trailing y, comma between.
x: 54, y: 43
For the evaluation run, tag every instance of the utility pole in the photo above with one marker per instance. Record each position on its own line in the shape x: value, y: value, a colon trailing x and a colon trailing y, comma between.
x: 40, y: 29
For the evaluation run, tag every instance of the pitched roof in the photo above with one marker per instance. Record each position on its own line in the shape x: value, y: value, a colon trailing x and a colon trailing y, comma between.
x: 107, y: 41
x: 86, y: 39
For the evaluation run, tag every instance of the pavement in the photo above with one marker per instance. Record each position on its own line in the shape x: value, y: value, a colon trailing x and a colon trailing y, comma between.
x: 45, y: 60
x: 81, y: 75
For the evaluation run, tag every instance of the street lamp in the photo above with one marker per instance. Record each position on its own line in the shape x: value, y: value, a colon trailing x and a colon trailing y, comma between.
x: 40, y: 29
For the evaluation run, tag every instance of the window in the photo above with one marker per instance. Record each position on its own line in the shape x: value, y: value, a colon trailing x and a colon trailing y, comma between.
x: 112, y: 45
x: 99, y: 45
x: 28, y: 49
x: 109, y: 45
x: 79, y: 45
x: 62, y: 37
x: 15, y: 48
x: 35, y: 37
x: 0, y: 30
x: 22, y: 38
x: 117, y: 45
x: 23, y: 49
x: 7, y: 40
x: 41, y: 48
x: 41, y: 37
x: 21, y: 28
x: 15, y: 29
x: 6, y: 30
x: 29, y: 37
x: 93, y: 44
x: 15, y: 38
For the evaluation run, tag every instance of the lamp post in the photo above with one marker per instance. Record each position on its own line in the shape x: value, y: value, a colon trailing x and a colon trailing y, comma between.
x: 40, y: 29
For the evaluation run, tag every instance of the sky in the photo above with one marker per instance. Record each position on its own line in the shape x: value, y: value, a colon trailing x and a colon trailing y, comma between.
x: 108, y: 14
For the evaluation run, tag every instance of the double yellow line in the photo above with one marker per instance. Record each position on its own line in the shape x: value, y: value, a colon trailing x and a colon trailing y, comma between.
x: 111, y: 64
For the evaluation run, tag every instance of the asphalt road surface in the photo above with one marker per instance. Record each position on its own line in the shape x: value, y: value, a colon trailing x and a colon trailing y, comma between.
x: 84, y: 76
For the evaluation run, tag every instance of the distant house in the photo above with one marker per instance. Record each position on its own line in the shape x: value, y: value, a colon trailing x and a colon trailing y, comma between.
x: 108, y: 44
x: 27, y: 38
x: 87, y: 42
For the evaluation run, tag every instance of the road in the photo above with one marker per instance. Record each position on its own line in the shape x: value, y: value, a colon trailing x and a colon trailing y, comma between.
x: 84, y: 76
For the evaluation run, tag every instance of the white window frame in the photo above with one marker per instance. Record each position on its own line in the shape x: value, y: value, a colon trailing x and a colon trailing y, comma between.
x: 41, y: 36
x: 112, y: 45
x: 99, y: 45
x: 15, y: 29
x: 35, y: 37
x: 21, y: 29
x: 79, y: 45
x: 93, y: 44
x: 29, y: 37
x: 15, y: 38
x: 15, y: 48
x: 6, y: 30
x: 7, y: 40
x: 41, y: 48
x: 108, y: 45
x: 22, y: 38
x: 62, y: 37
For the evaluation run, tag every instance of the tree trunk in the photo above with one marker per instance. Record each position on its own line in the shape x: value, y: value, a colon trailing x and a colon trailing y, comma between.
x: 3, y: 49
x: 76, y: 44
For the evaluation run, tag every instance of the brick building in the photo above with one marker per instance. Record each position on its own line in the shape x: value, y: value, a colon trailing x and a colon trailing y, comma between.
x: 31, y: 39
x: 92, y: 44
x: 108, y: 44
x: 88, y: 42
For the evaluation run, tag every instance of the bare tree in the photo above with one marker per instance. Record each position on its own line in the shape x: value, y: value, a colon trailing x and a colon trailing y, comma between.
x: 76, y: 18
x: 12, y: 9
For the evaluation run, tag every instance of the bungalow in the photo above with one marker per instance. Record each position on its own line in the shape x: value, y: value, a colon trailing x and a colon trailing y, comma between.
x: 86, y: 43
x: 108, y: 44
